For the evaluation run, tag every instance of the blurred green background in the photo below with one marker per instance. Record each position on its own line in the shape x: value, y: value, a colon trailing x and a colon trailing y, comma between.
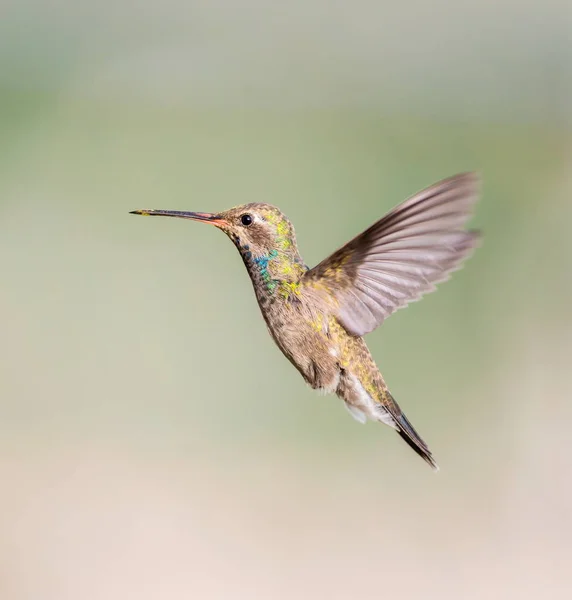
x: 153, y: 441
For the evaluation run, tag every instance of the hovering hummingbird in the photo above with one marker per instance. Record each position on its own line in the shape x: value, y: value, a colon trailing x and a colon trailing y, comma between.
x: 318, y: 316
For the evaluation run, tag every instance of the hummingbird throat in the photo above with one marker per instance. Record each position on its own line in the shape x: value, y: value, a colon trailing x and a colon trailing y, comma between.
x: 277, y: 272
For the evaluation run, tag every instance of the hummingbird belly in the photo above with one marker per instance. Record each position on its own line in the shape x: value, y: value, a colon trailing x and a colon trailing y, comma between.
x: 309, y: 346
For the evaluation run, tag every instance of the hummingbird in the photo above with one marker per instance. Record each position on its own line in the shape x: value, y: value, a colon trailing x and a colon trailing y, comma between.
x: 318, y: 316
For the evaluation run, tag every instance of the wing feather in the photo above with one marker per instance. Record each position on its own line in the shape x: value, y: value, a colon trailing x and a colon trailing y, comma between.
x: 400, y: 257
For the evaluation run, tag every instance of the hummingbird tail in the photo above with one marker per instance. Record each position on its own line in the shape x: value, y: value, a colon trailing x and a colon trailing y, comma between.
x: 408, y: 433
x: 414, y: 441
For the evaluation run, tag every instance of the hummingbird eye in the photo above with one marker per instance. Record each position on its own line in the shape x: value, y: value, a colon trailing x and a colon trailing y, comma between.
x: 246, y: 220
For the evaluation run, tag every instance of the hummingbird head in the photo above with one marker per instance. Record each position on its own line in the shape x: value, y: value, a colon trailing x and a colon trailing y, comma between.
x: 256, y: 229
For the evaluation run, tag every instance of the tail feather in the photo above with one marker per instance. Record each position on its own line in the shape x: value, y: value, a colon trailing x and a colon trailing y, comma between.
x: 409, y: 435
x: 407, y: 431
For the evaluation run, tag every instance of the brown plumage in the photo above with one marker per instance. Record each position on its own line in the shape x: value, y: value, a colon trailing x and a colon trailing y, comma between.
x: 318, y: 316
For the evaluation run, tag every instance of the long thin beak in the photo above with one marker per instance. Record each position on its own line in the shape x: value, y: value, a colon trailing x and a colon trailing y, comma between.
x: 211, y: 218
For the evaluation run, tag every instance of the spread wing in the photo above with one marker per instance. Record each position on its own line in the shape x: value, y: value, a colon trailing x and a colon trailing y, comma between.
x: 401, y: 257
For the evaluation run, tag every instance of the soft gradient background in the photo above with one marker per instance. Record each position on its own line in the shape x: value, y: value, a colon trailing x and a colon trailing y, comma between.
x: 153, y: 441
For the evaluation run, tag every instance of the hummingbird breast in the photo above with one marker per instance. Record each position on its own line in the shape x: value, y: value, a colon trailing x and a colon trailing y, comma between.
x: 329, y: 359
x: 304, y: 338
